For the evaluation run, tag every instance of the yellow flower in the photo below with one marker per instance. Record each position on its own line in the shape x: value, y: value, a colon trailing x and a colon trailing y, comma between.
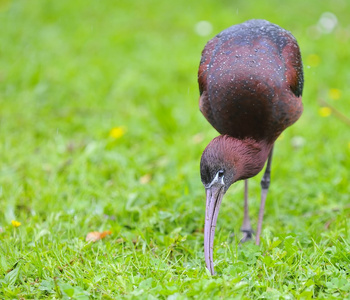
x: 145, y: 179
x: 324, y: 111
x: 15, y: 223
x: 334, y: 94
x: 313, y: 60
x: 117, y: 132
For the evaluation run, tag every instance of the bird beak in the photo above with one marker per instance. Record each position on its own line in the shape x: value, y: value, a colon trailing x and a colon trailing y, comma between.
x: 215, y: 193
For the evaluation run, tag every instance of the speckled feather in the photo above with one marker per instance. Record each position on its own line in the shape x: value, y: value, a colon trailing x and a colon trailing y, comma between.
x: 251, y: 80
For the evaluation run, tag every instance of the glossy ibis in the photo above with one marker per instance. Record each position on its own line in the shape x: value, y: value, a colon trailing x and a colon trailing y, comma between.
x: 250, y: 80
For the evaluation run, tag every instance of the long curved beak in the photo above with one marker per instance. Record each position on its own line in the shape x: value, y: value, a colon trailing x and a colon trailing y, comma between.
x: 215, y: 193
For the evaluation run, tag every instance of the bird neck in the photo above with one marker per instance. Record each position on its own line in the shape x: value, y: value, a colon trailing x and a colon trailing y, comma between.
x: 248, y: 155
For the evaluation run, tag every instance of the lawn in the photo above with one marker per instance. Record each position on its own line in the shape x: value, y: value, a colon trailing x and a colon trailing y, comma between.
x: 100, y: 131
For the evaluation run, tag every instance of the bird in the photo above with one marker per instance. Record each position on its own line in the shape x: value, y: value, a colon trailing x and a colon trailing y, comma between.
x: 250, y: 82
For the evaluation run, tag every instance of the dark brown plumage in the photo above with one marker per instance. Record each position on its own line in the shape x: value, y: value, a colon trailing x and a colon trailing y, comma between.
x: 251, y: 80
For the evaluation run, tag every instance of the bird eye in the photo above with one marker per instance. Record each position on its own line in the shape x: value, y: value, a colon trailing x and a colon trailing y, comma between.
x: 220, y: 173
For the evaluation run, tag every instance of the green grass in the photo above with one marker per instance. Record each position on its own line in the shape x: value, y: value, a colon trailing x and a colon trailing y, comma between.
x: 70, y: 71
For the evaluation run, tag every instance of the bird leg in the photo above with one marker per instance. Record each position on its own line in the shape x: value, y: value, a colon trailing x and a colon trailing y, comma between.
x: 265, y: 183
x: 246, y: 227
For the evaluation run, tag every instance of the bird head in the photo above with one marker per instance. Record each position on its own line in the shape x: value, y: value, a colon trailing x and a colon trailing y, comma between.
x: 217, y: 173
x: 223, y: 162
x: 217, y: 167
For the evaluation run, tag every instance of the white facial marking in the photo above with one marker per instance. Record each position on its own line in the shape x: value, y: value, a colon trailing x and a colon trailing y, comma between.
x: 216, y: 179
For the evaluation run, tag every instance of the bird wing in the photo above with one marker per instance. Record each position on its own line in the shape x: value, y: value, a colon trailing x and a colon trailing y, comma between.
x: 250, y: 80
x: 204, y: 104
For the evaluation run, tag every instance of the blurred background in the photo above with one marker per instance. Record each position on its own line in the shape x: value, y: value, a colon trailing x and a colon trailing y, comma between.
x: 100, y: 126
